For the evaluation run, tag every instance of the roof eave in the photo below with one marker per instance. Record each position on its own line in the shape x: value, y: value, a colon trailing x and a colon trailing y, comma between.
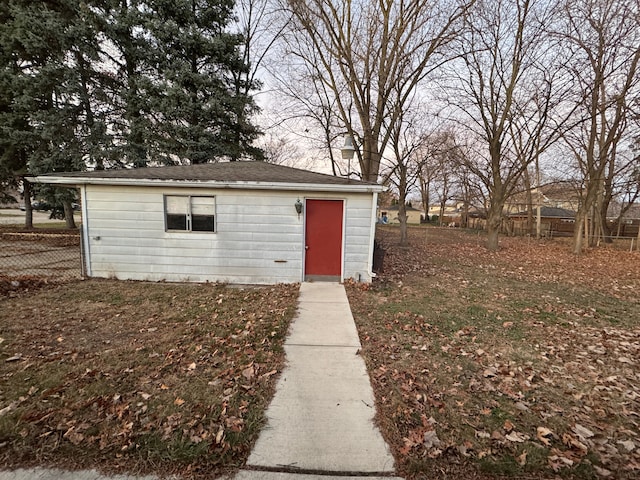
x: 148, y: 182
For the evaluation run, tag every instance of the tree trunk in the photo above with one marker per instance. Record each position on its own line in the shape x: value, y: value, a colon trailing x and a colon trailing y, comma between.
x: 577, y: 232
x: 402, y: 217
x: 424, y: 193
x: 492, y: 238
x: 402, y: 205
x: 529, y: 200
x: 28, y: 210
x: 582, y: 228
x: 68, y: 214
x: 606, y: 229
x: 464, y: 220
x: 494, y: 221
x: 370, y: 159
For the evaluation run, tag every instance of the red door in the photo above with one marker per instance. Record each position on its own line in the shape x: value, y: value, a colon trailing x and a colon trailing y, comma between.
x: 323, y: 237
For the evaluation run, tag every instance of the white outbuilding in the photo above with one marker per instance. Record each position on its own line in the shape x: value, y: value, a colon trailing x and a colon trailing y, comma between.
x: 233, y: 222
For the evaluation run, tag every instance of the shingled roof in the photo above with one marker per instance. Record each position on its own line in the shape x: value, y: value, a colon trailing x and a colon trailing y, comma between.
x: 548, y: 212
x: 219, y: 172
x: 223, y: 173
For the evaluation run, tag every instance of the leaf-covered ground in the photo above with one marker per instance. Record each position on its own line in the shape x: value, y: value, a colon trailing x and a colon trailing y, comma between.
x: 137, y: 376
x: 522, y: 363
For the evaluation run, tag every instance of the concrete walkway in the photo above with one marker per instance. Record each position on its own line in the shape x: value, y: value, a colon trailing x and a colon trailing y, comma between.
x: 320, y: 421
x: 321, y: 417
x: 55, y: 474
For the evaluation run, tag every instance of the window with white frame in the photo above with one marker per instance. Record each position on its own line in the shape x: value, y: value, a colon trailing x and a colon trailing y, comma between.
x: 189, y: 213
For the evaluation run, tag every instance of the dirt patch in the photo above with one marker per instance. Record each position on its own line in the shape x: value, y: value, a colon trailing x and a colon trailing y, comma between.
x: 522, y: 362
x: 56, y: 237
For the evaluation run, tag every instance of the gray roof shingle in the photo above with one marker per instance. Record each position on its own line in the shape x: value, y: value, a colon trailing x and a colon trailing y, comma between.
x: 249, y: 171
x: 549, y: 212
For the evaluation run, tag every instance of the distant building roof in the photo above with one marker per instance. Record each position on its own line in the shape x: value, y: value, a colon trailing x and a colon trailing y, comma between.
x: 548, y: 212
x: 631, y: 213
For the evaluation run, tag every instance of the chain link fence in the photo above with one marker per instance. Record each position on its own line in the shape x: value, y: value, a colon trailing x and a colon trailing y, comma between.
x: 49, y: 255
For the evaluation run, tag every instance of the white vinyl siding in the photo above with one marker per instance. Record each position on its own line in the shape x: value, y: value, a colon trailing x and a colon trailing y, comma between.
x: 259, y: 236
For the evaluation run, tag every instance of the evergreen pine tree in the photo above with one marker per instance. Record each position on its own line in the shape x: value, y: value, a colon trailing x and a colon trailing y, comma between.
x: 203, y: 116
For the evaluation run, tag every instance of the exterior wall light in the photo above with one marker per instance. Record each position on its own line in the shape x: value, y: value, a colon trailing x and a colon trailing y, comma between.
x: 298, y: 206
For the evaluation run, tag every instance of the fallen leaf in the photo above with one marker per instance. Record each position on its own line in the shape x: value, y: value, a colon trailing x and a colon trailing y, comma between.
x: 484, y: 453
x: 7, y: 409
x: 248, y: 372
x: 556, y: 462
x: 435, y: 453
x: 178, y: 401
x: 431, y: 439
x: 516, y: 437
x: 582, y: 432
x: 74, y: 437
x: 572, y: 442
x: 490, y: 372
x: 508, y: 426
x: 628, y: 445
x: 219, y: 435
x: 603, y: 472
x: 192, y: 366
x: 544, y: 435
x: 522, y: 459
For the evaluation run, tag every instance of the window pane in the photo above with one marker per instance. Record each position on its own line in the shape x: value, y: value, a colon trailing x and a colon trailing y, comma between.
x: 202, y: 223
x: 176, y: 222
x: 177, y: 204
x: 203, y: 205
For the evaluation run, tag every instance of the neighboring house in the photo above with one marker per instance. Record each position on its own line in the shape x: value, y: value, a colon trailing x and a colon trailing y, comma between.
x: 450, y: 210
x: 561, y: 194
x: 413, y: 214
x: 235, y: 222
x: 553, y: 222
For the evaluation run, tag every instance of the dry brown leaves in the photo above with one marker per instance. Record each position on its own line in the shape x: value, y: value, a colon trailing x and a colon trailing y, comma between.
x: 522, y: 362
x: 13, y: 285
x: 136, y: 376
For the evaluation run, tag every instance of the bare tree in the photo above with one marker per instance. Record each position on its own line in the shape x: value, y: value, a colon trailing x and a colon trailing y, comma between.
x: 602, y: 37
x: 404, y: 168
x: 500, y: 75
x: 427, y: 174
x: 306, y: 107
x: 371, y: 56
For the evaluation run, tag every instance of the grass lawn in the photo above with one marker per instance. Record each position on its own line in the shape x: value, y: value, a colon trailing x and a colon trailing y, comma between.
x: 521, y: 363
x: 138, y: 377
